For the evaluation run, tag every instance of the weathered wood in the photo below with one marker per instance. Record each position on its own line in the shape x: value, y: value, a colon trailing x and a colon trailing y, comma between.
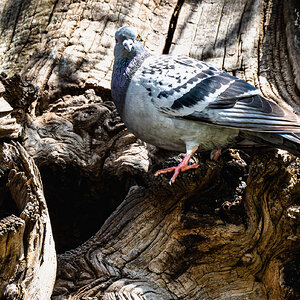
x: 9, y: 127
x: 176, y: 242
x: 27, y: 257
x: 87, y: 134
x: 255, y: 40
x: 291, y: 19
x: 200, y: 238
x: 68, y: 44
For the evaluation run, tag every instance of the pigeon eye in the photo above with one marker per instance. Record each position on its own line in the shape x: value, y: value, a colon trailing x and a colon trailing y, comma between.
x: 116, y: 41
x: 138, y: 38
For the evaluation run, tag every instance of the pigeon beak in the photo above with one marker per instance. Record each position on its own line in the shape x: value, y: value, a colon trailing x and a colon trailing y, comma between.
x: 128, y: 44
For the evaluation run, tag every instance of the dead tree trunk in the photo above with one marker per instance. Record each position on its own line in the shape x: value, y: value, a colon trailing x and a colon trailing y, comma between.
x: 228, y: 230
x: 28, y: 257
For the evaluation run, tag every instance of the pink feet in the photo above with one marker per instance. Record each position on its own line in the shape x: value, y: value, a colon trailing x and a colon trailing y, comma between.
x: 183, y: 166
x: 215, y: 154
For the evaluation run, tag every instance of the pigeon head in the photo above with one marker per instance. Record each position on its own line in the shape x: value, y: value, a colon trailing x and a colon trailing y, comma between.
x: 128, y: 43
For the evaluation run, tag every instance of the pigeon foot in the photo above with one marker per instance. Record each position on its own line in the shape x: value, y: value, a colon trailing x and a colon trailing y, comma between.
x: 215, y: 154
x: 183, y: 166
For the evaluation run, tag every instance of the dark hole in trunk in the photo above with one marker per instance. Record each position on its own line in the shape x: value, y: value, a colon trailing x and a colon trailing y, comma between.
x: 7, y: 205
x: 78, y: 204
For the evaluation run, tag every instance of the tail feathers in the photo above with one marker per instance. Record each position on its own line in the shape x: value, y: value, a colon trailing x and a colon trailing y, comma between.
x: 291, y: 142
x: 294, y: 137
x: 285, y: 141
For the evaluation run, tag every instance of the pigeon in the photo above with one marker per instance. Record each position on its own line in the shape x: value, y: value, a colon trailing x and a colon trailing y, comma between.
x: 182, y: 104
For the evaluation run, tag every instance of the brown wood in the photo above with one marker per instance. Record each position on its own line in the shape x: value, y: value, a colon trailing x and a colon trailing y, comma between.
x: 228, y: 230
x: 28, y: 257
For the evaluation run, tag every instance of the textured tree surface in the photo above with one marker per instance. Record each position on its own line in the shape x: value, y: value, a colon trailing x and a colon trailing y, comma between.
x: 228, y: 230
x: 28, y: 257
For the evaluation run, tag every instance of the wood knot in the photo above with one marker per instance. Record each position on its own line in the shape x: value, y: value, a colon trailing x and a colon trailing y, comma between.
x: 11, y: 292
x: 89, y: 116
x: 113, y: 124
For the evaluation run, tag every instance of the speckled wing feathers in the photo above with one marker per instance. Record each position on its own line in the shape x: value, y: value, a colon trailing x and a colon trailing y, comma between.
x: 179, y: 86
x: 253, y: 113
x: 169, y: 78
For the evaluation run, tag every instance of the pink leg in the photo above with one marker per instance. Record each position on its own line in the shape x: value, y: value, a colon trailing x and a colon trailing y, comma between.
x: 183, y: 166
x: 215, y: 154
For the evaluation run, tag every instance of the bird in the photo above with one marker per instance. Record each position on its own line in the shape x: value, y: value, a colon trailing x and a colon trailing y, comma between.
x: 179, y: 103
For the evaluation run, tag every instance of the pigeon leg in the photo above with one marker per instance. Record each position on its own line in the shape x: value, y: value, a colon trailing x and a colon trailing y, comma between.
x: 183, y: 166
x: 215, y: 154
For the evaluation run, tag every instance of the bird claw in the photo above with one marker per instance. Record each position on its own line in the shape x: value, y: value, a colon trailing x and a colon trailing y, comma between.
x: 215, y: 154
x: 183, y: 166
x: 180, y: 168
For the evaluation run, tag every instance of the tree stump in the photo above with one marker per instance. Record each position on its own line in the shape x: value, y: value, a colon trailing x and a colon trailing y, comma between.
x: 228, y: 230
x: 28, y: 257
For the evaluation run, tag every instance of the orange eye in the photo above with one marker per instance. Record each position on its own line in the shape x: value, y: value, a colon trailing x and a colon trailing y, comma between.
x: 116, y: 41
x: 138, y: 38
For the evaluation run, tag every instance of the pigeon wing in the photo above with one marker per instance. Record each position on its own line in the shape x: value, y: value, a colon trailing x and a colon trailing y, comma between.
x: 182, y: 87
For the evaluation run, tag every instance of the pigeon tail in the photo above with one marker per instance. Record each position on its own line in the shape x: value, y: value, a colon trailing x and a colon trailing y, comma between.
x: 291, y: 142
x: 285, y: 141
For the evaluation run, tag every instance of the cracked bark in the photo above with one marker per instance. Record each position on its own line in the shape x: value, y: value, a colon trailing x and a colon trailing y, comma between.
x: 28, y: 257
x: 228, y: 230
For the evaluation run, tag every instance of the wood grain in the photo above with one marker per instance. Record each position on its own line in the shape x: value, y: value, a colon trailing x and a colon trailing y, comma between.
x: 228, y: 230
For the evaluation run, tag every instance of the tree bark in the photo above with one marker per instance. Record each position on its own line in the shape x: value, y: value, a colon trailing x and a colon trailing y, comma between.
x: 28, y: 257
x: 228, y: 230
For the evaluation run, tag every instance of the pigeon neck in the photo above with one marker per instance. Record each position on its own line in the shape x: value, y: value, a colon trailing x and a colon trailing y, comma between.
x: 123, y: 71
x: 126, y: 67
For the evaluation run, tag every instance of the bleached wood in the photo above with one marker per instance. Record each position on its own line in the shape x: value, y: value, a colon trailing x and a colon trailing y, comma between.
x: 161, y: 242
x: 28, y: 257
